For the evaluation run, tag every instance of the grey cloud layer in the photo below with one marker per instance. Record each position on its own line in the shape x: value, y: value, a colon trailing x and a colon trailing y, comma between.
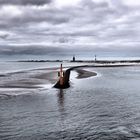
x: 24, y: 2
x: 89, y: 25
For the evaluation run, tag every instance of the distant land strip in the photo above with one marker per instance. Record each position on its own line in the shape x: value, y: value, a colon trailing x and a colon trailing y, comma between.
x: 86, y: 61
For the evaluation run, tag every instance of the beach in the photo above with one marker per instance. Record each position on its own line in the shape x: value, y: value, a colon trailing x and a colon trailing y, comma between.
x: 36, y: 78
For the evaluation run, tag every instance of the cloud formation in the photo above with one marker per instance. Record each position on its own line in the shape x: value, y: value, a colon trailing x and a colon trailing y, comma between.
x: 24, y: 2
x: 42, y: 26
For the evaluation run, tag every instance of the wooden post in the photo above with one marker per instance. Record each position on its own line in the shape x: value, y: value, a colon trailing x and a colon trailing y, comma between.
x: 61, y: 76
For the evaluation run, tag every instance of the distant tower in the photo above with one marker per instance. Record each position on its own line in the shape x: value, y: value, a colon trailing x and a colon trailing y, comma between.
x: 95, y: 58
x: 73, y: 59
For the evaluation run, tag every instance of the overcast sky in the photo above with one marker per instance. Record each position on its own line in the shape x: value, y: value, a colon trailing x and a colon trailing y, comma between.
x: 42, y: 26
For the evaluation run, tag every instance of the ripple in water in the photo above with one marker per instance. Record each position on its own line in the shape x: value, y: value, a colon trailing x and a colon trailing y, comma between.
x: 103, y: 108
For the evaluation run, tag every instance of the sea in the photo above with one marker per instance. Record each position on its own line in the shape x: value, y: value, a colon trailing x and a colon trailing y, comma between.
x: 102, y: 107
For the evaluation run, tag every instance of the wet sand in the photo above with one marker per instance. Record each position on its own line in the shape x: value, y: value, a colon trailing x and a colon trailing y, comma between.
x: 84, y: 73
x: 37, y: 77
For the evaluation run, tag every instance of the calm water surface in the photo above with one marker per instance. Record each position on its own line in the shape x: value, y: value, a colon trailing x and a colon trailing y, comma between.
x: 105, y: 107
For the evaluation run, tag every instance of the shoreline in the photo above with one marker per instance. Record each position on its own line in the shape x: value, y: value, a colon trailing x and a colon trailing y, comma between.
x: 84, y: 61
x: 35, y: 78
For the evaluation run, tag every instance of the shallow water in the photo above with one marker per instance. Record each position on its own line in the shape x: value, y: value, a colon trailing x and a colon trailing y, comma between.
x: 105, y: 107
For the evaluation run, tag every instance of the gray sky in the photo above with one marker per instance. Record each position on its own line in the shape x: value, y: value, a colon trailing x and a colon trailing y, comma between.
x: 42, y: 26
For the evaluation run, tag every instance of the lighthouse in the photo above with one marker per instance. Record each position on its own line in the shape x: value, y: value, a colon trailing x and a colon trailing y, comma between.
x: 95, y: 58
x: 73, y: 59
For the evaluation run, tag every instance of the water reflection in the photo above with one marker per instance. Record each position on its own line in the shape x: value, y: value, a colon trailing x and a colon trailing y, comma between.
x: 62, y: 122
x: 61, y: 100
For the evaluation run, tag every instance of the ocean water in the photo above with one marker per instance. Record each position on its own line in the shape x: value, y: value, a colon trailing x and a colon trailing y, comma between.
x: 104, y: 107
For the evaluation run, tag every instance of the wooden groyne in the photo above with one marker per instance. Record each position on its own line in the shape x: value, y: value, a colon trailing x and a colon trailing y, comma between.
x: 64, y: 77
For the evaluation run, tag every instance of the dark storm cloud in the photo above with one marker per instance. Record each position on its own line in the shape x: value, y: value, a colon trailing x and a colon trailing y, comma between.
x: 29, y: 49
x: 24, y: 2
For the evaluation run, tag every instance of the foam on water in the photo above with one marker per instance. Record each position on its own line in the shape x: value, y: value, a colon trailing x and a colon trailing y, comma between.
x: 46, y: 86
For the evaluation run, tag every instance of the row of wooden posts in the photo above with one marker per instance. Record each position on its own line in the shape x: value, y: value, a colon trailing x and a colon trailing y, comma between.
x: 63, y: 81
